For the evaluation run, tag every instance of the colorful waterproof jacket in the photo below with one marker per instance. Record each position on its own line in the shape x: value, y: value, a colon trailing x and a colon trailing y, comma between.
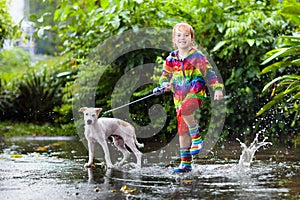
x: 187, y: 76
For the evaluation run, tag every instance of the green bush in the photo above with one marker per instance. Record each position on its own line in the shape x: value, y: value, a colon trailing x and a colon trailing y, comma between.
x: 282, y: 65
x: 237, y: 34
x: 5, y: 99
x: 8, y: 30
x: 37, y: 94
x: 37, y: 98
x: 13, y: 62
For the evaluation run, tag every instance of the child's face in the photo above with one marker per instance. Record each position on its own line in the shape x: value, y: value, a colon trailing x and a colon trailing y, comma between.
x: 183, y: 39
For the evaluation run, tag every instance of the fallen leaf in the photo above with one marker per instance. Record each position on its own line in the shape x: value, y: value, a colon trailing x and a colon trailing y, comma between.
x: 16, y: 156
x: 58, y: 144
x: 126, y: 190
x: 187, y: 181
x: 41, y: 149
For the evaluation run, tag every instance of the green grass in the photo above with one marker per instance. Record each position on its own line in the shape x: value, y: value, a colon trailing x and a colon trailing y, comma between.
x: 29, y: 129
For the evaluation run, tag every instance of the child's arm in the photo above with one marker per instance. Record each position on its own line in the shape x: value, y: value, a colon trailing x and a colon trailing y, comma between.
x: 166, y: 77
x: 212, y: 79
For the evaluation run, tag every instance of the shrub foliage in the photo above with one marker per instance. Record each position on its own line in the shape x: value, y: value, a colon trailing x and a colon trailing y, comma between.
x: 237, y: 34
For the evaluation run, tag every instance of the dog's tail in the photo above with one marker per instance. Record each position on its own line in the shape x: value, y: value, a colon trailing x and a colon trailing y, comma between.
x: 139, y: 145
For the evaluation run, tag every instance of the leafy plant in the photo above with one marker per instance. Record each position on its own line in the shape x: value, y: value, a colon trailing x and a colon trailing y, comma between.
x: 13, y: 62
x: 97, y: 23
x: 283, y: 67
x: 7, y: 29
x: 5, y: 98
x: 37, y: 98
x: 36, y: 94
x: 286, y: 87
x: 248, y: 30
x: 238, y: 33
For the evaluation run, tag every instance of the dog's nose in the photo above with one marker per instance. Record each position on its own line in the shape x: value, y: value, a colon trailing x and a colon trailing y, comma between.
x: 89, y: 121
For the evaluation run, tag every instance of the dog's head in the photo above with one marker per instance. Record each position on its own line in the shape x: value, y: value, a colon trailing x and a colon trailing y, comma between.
x: 90, y: 114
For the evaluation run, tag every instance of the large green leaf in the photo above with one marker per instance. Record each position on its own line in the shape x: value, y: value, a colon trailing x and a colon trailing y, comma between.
x: 296, y: 96
x: 278, y: 53
x: 289, y: 41
x: 291, y: 10
x: 105, y: 3
x: 286, y: 77
x: 271, y: 103
x: 275, y: 66
x: 219, y: 45
x: 250, y: 42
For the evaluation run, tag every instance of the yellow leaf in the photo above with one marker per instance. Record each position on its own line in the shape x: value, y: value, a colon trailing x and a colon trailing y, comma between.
x: 123, y: 188
x: 41, y: 149
x: 187, y: 181
x: 16, y: 156
x: 58, y: 144
x: 126, y: 190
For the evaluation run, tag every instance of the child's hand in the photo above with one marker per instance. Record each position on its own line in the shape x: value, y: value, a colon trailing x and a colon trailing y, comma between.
x: 161, y: 89
x: 167, y: 86
x: 218, y: 95
x: 158, y: 90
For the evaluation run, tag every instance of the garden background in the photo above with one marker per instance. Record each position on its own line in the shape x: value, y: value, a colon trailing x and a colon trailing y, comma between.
x: 255, y: 45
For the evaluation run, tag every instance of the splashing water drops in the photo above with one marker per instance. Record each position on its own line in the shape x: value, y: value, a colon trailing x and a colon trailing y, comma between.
x: 248, y: 153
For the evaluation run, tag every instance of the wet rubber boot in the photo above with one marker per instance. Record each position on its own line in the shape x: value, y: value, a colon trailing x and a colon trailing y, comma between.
x: 197, y: 142
x: 185, y: 161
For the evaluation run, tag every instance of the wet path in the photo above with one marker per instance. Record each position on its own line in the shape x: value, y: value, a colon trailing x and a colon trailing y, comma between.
x: 53, y: 169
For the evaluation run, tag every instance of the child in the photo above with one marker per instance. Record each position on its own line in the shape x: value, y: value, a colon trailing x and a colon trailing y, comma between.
x: 183, y: 74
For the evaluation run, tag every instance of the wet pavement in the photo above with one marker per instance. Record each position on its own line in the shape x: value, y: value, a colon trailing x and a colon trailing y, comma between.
x: 52, y: 168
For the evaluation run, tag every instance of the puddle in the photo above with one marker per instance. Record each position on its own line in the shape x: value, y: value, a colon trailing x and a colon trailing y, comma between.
x: 52, y: 168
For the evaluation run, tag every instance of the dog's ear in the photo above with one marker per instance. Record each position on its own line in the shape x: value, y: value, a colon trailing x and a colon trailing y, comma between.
x: 82, y: 109
x: 98, y: 110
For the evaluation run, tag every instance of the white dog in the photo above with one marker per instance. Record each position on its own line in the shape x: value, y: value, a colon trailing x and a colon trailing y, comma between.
x: 98, y: 130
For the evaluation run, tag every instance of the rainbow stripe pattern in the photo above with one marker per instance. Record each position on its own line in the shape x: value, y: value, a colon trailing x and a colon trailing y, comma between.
x: 187, y: 76
x: 185, y: 160
x: 197, y: 142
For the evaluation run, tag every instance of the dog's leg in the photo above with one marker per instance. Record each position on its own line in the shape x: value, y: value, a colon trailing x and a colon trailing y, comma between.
x: 136, y: 152
x: 91, y: 146
x: 119, y: 143
x: 106, y: 152
x: 130, y: 143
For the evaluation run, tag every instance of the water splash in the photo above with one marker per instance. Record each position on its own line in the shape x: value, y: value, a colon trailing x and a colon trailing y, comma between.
x: 248, y: 153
